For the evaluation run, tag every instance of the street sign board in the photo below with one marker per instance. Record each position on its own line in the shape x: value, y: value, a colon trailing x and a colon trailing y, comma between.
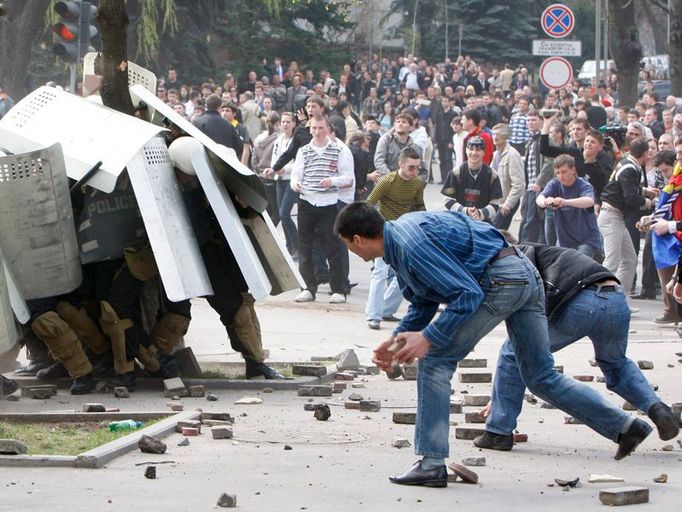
x: 557, y: 21
x: 557, y: 47
x: 556, y: 72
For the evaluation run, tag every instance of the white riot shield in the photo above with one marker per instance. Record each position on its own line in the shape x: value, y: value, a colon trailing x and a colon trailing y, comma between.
x: 89, y: 133
x: 136, y: 75
x: 8, y: 331
x: 237, y: 177
x: 253, y: 262
x: 167, y: 222
x: 37, y: 230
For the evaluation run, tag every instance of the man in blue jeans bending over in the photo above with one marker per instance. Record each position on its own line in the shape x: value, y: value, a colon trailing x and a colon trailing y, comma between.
x: 583, y: 299
x: 444, y: 257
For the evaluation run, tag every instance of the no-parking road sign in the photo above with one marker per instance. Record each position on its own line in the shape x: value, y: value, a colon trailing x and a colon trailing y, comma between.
x: 557, y: 21
x: 556, y: 72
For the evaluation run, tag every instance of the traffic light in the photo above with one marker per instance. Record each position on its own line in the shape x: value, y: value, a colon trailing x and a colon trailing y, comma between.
x: 74, y: 30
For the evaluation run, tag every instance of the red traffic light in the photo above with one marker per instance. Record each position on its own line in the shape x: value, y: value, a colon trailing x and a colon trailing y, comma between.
x: 65, y: 32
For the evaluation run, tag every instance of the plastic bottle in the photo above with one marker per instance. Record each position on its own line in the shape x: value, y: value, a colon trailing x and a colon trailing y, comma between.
x: 117, y: 426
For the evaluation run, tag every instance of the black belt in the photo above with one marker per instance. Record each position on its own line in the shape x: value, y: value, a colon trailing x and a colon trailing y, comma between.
x: 607, y: 288
x: 504, y: 252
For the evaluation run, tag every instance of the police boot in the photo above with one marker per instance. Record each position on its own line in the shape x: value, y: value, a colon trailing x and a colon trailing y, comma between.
x: 7, y: 386
x: 55, y: 371
x: 147, y: 356
x: 114, y: 328
x: 247, y: 328
x: 84, y: 326
x: 83, y: 385
x: 168, y: 331
x: 63, y: 343
x: 38, y: 355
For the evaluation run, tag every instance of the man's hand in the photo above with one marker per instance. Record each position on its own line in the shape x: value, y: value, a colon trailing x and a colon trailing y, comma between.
x: 383, y: 357
x: 268, y: 171
x: 373, y: 176
x: 535, y: 187
x: 416, y: 347
x: 326, y: 183
x: 471, y: 211
x: 660, y: 227
x: 485, y: 412
x: 558, y: 202
x: 651, y: 192
x: 505, y: 210
x: 677, y: 293
x: 295, y: 186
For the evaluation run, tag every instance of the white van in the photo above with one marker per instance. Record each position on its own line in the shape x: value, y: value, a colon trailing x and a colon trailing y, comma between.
x: 588, y: 71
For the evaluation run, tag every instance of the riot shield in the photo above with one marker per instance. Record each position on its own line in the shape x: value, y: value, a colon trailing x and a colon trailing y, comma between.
x: 89, y: 133
x: 167, y: 222
x: 238, y: 178
x: 37, y: 230
x: 8, y: 331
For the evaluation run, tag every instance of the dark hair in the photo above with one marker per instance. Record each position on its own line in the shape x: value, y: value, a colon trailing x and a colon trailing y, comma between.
x: 213, y: 102
x: 371, y: 118
x: 564, y: 159
x: 473, y: 115
x: 317, y: 101
x: 665, y: 157
x: 359, y: 218
x: 408, y: 153
x: 639, y: 147
x: 341, y: 105
x: 595, y: 134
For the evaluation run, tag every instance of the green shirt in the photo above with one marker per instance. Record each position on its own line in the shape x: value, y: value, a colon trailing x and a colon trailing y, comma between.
x: 395, y: 196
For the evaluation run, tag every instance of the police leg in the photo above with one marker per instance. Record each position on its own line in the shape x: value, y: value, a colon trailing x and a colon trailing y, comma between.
x: 114, y: 328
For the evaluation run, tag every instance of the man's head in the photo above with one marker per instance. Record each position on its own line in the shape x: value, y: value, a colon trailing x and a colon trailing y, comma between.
x: 635, y: 130
x: 172, y: 75
x: 665, y: 142
x: 229, y: 111
x: 564, y: 170
x: 475, y: 150
x: 557, y: 133
x: 534, y: 121
x: 670, y: 101
x: 471, y: 119
x: 361, y: 228
x: 578, y: 130
x: 213, y: 103
x: 594, y: 142
x: 501, y: 134
x: 402, y: 124
x: 639, y: 149
x: 650, y: 116
x: 522, y: 105
x: 678, y: 150
x: 314, y: 107
x: 319, y: 128
x: 409, y: 163
x: 456, y: 124
x: 665, y: 162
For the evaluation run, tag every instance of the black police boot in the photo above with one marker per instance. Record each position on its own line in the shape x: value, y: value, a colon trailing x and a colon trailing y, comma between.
x: 8, y: 386
x: 54, y: 371
x: 124, y: 380
x: 666, y: 422
x: 83, y: 385
x: 255, y: 370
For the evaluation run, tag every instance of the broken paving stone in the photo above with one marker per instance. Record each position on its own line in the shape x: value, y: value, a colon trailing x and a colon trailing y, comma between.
x: 338, y: 387
x: 410, y: 372
x: 309, y: 370
x: 216, y: 423
x: 149, y: 444
x: 468, y: 433
x: 357, y: 385
x: 347, y: 360
x: 600, y: 378
x: 211, y: 397
x: 175, y: 406
x: 351, y: 405
x: 667, y: 448
x: 189, y: 431
x: 310, y: 407
x: 661, y: 479
x: 12, y: 398
x: 547, y: 405
x: 93, y: 407
x: 12, y: 447
x: 475, y: 378
x: 401, y: 442
x: 268, y: 390
x: 220, y: 416
x: 531, y: 399
x: 370, y: 405
x: 474, y: 417
x: 344, y: 376
x: 645, y: 365
x: 43, y: 392
x: 372, y: 370
x: 121, y: 392
x: 321, y: 390
x: 221, y: 432
x: 584, y: 378
x: 627, y: 406
x: 356, y: 397
x: 404, y: 418
x: 184, y: 442
x: 287, y: 447
x: 570, y: 420
x: 456, y: 407
x: 174, y: 387
x: 187, y: 423
x: 624, y: 496
x: 395, y: 372
x: 567, y: 483
x: 520, y: 438
x: 465, y: 474
x: 249, y: 400
x: 227, y: 500
x: 473, y: 363
x: 197, y: 391
x: 322, y: 412
x: 558, y: 368
x: 476, y: 400
x: 596, y: 479
x: 473, y: 461
x: 150, y: 472
x: 452, y: 477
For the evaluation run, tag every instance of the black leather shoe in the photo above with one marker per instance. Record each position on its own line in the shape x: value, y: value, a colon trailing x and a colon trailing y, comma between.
x: 632, y: 438
x: 666, y: 422
x: 124, y: 380
x: 643, y: 296
x: 493, y: 441
x: 55, y: 371
x: 255, y: 370
x: 7, y: 386
x: 83, y: 385
x: 437, y: 477
x: 391, y: 318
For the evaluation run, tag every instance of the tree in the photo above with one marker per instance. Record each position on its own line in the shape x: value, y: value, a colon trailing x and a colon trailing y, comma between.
x: 23, y: 20
x: 627, y: 51
x: 673, y: 9
x: 113, y: 60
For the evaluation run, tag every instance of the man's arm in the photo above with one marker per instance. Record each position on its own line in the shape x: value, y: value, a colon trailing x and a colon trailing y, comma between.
x: 346, y: 177
x: 419, y: 204
x: 517, y: 178
x: 290, y: 152
x: 297, y: 172
x: 380, y: 156
x: 379, y: 191
x: 629, y: 184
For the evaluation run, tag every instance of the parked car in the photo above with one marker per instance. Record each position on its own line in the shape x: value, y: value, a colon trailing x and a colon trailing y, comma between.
x: 588, y: 71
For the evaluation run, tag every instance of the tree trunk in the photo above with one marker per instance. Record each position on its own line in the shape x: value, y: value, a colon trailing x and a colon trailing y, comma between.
x: 675, y: 47
x: 626, y: 49
x: 112, y: 20
x: 18, y: 29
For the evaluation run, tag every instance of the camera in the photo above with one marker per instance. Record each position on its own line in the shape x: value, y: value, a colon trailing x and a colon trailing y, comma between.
x: 616, y: 132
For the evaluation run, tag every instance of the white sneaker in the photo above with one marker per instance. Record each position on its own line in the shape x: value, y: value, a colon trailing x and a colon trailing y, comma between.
x: 305, y: 296
x: 337, y: 298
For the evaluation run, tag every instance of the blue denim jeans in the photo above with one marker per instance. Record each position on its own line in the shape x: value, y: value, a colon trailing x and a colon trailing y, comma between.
x: 533, y: 225
x: 513, y: 293
x: 384, y: 293
x: 286, y: 198
x: 604, y: 317
x: 550, y: 227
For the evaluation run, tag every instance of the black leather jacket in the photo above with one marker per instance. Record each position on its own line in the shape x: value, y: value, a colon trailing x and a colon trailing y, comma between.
x: 564, y: 272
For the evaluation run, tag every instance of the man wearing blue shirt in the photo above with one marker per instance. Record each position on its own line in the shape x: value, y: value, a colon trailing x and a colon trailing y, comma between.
x: 445, y: 257
x: 572, y: 200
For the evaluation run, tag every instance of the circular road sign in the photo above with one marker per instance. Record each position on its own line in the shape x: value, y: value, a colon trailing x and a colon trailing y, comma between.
x: 556, y: 72
x: 557, y: 21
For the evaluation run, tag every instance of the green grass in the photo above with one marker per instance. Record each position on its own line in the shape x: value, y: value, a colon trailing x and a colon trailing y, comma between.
x: 60, y: 438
